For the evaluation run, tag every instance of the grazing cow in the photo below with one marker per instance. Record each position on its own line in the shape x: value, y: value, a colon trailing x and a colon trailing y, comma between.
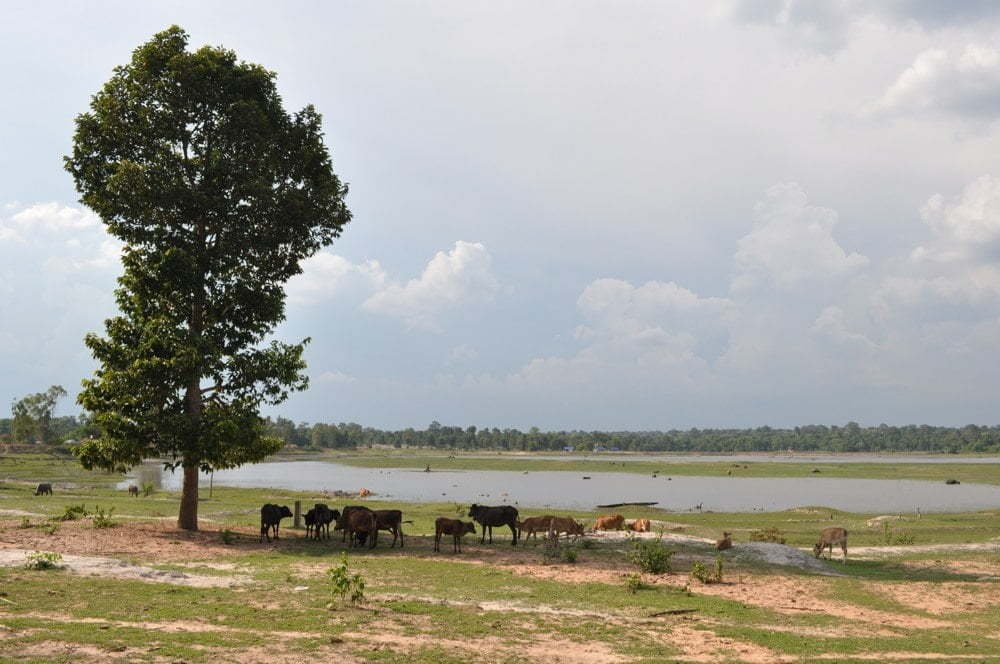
x: 361, y: 525
x: 270, y: 518
x: 827, y: 538
x: 341, y: 523
x: 391, y: 521
x: 488, y: 517
x: 43, y: 489
x: 725, y: 543
x: 640, y: 525
x: 564, y: 524
x: 133, y: 490
x: 323, y: 516
x: 533, y: 524
x: 614, y: 522
x: 453, y: 527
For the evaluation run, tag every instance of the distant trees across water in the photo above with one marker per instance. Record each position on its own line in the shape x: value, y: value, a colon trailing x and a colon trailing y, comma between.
x: 813, y: 438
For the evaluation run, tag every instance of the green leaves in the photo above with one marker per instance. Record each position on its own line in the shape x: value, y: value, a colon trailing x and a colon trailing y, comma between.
x: 218, y: 193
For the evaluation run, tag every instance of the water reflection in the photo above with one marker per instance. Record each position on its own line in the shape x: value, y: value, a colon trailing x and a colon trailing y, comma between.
x: 566, y: 489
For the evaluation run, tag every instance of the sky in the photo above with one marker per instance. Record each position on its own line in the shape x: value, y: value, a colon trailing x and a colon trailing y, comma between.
x: 575, y: 215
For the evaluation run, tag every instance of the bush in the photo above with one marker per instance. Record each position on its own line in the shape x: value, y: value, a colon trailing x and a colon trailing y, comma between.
x: 633, y: 583
x: 25, y: 523
x: 892, y: 537
x: 651, y: 556
x: 569, y: 554
x: 73, y: 512
x: 344, y: 585
x: 771, y: 534
x: 102, y: 519
x: 147, y: 489
x: 40, y: 560
x: 700, y: 572
x: 50, y: 528
x: 550, y: 549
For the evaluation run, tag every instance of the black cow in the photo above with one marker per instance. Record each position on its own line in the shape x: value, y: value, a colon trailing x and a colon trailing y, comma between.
x: 43, y: 489
x: 392, y: 521
x: 323, y: 516
x: 270, y: 518
x: 310, y: 519
x: 487, y: 517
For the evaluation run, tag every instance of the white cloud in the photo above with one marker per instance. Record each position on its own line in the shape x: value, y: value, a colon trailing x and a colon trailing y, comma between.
x: 943, y: 84
x: 459, y: 277
x: 54, y: 217
x: 791, y: 244
x: 463, y: 353
x: 325, y: 276
x: 335, y: 378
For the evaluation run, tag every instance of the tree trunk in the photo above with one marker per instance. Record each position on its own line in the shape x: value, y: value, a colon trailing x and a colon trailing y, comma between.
x: 188, y: 518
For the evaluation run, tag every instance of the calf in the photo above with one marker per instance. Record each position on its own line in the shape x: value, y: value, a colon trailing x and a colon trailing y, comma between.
x: 640, y: 525
x: 43, y: 489
x: 614, y: 522
x: 270, y: 518
x: 362, y: 523
x: 391, y: 521
x: 133, y: 490
x: 323, y: 516
x: 827, y: 538
x: 561, y: 524
x: 533, y: 524
x: 453, y: 527
x: 488, y: 517
x: 725, y: 543
x: 310, y: 519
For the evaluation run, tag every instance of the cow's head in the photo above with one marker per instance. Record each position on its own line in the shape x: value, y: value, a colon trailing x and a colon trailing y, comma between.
x: 468, y: 527
x: 473, y: 510
x: 285, y: 512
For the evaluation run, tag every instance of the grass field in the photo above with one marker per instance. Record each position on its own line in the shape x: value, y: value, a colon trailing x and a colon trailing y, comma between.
x: 935, y: 597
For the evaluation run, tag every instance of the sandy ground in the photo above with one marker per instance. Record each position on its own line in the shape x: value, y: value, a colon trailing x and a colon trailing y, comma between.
x: 87, y: 550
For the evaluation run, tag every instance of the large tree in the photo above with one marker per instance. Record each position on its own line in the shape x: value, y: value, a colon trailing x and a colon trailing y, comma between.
x: 217, y: 194
x: 33, y: 416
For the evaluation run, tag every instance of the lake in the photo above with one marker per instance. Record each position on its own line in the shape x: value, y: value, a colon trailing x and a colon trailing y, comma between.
x: 568, y: 490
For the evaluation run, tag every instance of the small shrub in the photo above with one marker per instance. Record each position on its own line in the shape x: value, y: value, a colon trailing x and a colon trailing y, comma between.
x: 41, y: 560
x: 771, y: 534
x: 73, y: 512
x: 551, y: 551
x: 345, y: 586
x: 103, y: 519
x: 50, y: 528
x: 569, y: 555
x: 228, y: 537
x: 905, y: 539
x: 651, y: 556
x: 147, y: 489
x: 891, y: 537
x: 702, y: 573
x: 25, y: 523
x: 633, y: 583
x: 586, y: 543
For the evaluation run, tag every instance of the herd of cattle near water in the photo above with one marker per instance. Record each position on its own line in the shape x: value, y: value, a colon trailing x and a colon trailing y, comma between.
x: 360, y: 525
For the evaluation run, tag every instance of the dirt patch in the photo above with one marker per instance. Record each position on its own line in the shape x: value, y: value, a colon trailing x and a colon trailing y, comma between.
x: 786, y: 556
x: 699, y: 645
x: 120, y: 569
x: 176, y: 626
x: 942, y: 598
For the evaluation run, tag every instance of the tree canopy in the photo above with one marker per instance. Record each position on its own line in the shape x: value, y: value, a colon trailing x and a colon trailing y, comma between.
x: 32, y: 416
x: 217, y: 194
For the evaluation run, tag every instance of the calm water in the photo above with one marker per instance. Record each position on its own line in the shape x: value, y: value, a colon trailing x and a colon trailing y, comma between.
x: 569, y: 490
x: 744, y: 458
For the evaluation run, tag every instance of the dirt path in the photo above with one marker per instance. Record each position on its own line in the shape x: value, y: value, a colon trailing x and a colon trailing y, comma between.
x: 120, y: 569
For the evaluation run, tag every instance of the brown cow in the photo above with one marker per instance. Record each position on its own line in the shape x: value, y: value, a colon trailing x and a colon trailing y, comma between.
x: 392, y: 521
x: 533, y: 524
x: 615, y: 522
x: 133, y: 490
x: 725, y: 543
x: 453, y: 527
x: 827, y: 538
x: 363, y: 523
x: 561, y: 524
x: 640, y: 525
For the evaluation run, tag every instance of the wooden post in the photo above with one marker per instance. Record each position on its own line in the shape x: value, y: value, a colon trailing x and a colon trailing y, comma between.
x: 298, y: 514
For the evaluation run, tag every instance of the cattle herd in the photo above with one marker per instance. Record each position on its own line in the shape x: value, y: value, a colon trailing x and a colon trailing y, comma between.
x: 360, y: 526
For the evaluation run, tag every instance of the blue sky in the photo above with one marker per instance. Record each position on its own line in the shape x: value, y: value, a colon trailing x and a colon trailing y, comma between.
x: 577, y: 214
